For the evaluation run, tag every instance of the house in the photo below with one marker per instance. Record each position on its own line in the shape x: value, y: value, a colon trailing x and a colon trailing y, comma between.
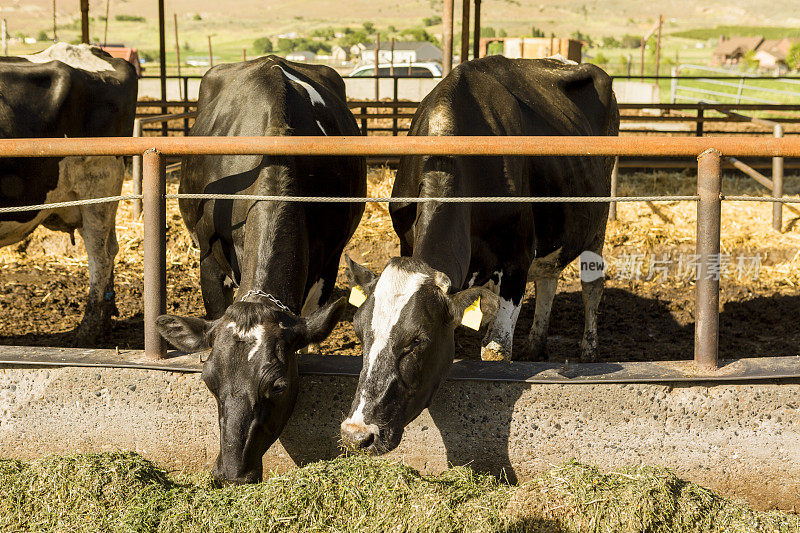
x: 731, y: 51
x: 535, y: 47
x: 339, y: 53
x: 404, y: 52
x: 131, y: 55
x: 303, y: 56
x: 771, y: 54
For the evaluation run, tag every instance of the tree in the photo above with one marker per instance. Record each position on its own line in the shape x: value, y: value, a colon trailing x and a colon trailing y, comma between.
x: 793, y: 56
x: 600, y: 59
x: 502, y: 33
x: 631, y: 41
x: 432, y: 21
x: 369, y: 27
x: 263, y: 45
x: 536, y: 32
x: 42, y: 36
x: 284, y: 45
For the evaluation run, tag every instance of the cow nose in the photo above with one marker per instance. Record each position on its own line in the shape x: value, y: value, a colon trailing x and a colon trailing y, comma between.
x: 357, y: 436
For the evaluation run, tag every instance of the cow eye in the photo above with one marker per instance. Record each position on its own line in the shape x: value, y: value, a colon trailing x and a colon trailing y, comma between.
x: 278, y: 386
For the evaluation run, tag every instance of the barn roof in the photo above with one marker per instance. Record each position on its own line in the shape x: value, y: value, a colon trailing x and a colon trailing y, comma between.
x: 740, y: 45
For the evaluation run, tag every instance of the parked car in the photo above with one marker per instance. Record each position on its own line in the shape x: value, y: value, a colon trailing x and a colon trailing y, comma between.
x: 427, y: 69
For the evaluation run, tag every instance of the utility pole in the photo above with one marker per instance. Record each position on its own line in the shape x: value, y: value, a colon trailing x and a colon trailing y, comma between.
x: 476, y: 36
x: 178, y: 56
x: 105, y: 32
x: 447, y: 37
x: 84, y: 20
x: 210, y: 53
x: 55, y: 35
x: 658, y: 42
x: 4, y: 29
x: 464, y: 31
x: 377, y: 66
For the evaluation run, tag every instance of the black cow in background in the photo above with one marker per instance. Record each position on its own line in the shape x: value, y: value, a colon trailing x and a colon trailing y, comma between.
x: 68, y: 91
x: 450, y: 249
x: 282, y: 256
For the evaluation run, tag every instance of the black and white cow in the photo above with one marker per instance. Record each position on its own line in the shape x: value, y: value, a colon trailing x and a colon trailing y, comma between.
x: 282, y: 256
x: 406, y: 323
x: 68, y: 91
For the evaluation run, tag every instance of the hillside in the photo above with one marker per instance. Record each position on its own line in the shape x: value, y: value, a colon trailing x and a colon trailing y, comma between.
x: 235, y: 24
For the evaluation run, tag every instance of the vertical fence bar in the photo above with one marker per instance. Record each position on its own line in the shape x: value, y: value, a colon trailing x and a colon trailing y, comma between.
x: 363, y: 121
x: 136, y: 171
x: 709, y: 212
x: 395, y: 110
x: 612, y: 206
x: 155, y: 251
x: 700, y: 116
x: 777, y: 185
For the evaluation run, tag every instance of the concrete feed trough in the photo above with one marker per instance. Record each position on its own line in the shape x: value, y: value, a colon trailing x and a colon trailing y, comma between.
x: 740, y: 436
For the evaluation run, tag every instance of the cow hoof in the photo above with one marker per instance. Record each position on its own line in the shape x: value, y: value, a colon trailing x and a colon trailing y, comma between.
x: 494, y: 352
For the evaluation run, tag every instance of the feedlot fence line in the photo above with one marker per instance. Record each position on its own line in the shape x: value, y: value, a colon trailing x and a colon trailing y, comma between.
x: 153, y: 161
x: 396, y: 200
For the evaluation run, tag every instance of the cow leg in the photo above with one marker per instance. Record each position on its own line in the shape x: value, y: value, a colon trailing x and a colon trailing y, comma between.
x: 319, y: 293
x: 537, y: 339
x: 216, y: 287
x: 498, y: 342
x: 93, y: 177
x: 591, y: 293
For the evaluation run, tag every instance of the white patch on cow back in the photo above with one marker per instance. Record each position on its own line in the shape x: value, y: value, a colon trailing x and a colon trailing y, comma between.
x: 316, y: 98
x: 254, y: 335
x: 559, y: 57
x: 77, y: 56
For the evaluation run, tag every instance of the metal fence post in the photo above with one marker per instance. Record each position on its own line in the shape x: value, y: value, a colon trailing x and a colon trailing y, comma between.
x: 136, y: 171
x: 394, y: 110
x: 363, y: 121
x: 777, y: 185
x: 612, y: 206
x: 709, y: 208
x: 700, y: 113
x: 155, y: 251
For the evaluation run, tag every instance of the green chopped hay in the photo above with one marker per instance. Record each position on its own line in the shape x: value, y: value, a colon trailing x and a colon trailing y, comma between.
x: 125, y: 492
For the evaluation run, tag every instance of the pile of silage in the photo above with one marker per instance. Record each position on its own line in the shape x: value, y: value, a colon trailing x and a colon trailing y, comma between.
x: 125, y: 492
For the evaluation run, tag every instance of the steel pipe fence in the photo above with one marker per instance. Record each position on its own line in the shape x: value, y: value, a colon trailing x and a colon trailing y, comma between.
x: 153, y: 151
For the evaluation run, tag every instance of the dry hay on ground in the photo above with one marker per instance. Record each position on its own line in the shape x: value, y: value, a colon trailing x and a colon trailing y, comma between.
x: 43, y: 280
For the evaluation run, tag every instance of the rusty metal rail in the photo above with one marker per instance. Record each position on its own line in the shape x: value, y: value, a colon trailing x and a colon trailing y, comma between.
x: 343, y: 146
x: 154, y: 150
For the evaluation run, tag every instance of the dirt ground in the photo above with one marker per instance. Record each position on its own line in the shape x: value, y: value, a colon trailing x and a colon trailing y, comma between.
x: 43, y: 280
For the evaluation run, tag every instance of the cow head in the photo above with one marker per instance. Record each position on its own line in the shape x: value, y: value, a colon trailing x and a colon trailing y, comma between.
x: 405, y: 326
x: 252, y: 373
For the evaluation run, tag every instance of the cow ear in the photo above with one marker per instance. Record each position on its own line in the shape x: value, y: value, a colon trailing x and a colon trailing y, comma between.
x: 474, y: 307
x: 362, y: 282
x: 358, y: 275
x: 316, y: 327
x: 187, y: 333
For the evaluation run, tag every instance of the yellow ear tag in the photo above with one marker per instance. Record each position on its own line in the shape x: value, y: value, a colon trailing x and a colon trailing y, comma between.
x: 357, y: 296
x: 473, y: 315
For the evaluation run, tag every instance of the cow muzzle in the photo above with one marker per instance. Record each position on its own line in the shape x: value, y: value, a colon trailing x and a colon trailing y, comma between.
x: 359, y: 436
